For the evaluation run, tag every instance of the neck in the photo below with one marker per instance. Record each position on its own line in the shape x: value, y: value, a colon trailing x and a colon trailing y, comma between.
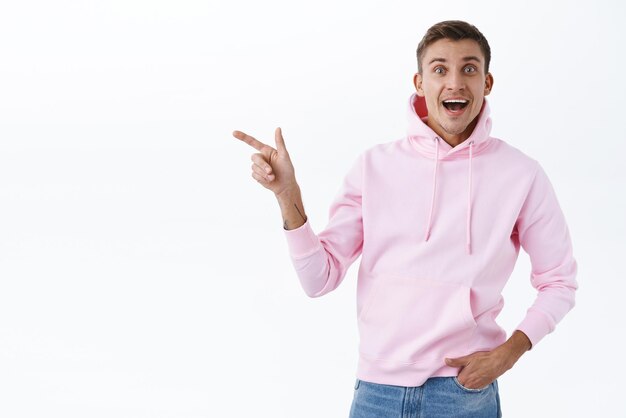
x: 452, y: 139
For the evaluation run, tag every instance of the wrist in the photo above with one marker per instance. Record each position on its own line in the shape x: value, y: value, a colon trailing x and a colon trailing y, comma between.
x: 514, y: 348
x: 288, y: 193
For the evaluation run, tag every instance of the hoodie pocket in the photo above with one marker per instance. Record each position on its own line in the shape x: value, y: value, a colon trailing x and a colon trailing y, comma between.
x: 409, y: 320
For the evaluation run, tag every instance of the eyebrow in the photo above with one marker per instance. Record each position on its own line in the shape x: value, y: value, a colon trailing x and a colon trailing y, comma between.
x: 468, y: 58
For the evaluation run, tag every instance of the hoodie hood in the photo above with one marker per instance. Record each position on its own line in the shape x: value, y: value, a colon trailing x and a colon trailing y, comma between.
x: 426, y: 141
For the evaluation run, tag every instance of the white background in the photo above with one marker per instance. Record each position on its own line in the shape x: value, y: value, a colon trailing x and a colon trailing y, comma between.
x: 145, y: 273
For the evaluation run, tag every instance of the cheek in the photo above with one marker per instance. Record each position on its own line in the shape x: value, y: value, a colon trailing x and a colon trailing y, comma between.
x: 429, y: 92
x: 432, y: 93
x: 432, y: 104
x: 479, y: 89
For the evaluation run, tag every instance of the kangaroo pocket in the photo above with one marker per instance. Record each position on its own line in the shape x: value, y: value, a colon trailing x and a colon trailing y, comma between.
x: 410, y: 320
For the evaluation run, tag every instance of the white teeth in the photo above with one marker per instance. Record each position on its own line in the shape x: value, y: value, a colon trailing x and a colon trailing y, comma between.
x: 455, y: 101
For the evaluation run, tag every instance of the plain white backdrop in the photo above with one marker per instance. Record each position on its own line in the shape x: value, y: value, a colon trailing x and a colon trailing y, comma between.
x: 145, y: 273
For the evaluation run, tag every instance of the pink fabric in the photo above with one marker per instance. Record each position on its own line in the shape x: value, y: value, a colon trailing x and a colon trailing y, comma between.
x: 439, y: 230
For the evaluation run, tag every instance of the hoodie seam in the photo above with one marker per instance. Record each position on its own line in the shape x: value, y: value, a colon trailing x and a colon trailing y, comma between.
x: 489, y: 143
x: 307, y: 254
x: 528, y: 190
x: 382, y: 360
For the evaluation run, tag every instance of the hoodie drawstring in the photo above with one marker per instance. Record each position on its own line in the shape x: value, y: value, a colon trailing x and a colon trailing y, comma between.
x: 469, y: 200
x: 432, y: 200
x: 469, y: 196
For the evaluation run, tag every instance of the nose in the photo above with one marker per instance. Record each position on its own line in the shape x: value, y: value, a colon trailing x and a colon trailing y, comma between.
x: 455, y: 81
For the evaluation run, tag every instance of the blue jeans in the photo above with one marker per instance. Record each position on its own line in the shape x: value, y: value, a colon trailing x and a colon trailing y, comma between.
x: 438, y: 397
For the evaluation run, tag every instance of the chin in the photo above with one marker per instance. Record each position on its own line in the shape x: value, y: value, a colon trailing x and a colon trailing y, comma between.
x: 457, y: 130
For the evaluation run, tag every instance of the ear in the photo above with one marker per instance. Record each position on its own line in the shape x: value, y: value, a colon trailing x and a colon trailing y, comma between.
x: 488, y: 84
x: 417, y: 82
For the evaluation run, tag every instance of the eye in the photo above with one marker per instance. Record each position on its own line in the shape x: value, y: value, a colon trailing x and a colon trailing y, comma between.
x: 439, y: 70
x: 469, y: 69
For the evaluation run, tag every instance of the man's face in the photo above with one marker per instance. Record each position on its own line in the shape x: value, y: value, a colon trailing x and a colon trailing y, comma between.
x: 453, y: 70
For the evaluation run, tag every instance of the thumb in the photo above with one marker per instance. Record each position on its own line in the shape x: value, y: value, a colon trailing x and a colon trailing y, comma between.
x: 280, y: 142
x: 457, y: 362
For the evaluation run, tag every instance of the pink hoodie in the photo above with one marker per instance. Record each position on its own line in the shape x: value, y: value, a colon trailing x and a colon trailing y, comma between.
x: 439, y: 230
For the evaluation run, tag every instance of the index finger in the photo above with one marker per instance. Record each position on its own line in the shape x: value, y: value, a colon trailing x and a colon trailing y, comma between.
x: 249, y: 140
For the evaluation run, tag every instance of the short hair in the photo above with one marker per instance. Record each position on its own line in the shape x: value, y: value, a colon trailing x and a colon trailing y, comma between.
x: 455, y: 30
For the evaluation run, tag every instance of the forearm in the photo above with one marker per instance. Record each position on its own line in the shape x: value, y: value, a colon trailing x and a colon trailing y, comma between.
x: 290, y: 202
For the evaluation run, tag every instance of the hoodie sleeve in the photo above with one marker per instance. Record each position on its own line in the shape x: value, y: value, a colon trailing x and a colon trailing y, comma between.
x: 321, y: 261
x: 544, y: 235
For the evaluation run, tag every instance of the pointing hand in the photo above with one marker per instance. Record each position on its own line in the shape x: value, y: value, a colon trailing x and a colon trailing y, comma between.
x: 271, y: 167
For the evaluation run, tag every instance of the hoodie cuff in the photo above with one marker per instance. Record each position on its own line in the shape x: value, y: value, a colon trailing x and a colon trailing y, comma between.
x: 535, y: 325
x: 302, y: 241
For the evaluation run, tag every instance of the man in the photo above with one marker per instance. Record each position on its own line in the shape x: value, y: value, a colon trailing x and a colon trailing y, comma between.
x: 439, y: 217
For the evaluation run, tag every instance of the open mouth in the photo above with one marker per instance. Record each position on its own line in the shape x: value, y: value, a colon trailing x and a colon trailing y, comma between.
x: 455, y: 105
